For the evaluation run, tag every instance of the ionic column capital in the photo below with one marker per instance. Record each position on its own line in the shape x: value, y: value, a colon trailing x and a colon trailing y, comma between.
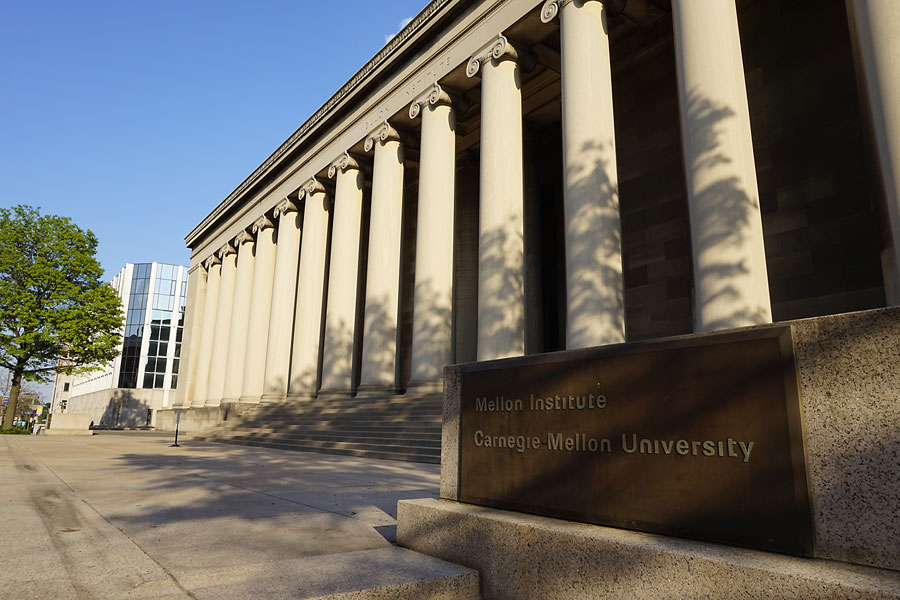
x: 311, y: 186
x: 244, y: 237
x: 211, y: 261
x: 284, y: 207
x: 435, y: 95
x: 342, y: 163
x: 383, y: 133
x: 551, y: 8
x: 225, y: 250
x: 499, y: 49
x: 261, y: 223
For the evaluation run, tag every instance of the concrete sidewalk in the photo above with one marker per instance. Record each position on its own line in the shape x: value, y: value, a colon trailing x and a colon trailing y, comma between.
x: 123, y: 515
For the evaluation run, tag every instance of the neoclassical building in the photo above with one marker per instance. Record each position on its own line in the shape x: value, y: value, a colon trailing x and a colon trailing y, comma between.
x: 508, y: 177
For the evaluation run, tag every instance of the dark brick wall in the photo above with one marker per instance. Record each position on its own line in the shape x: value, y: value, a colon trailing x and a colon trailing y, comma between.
x: 821, y: 221
x: 820, y: 215
x: 656, y: 234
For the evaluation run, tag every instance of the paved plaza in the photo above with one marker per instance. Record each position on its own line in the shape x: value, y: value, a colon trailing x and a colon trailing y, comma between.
x: 124, y: 515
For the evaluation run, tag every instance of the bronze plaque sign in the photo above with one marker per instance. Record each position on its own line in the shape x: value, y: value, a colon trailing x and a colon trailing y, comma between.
x: 695, y: 437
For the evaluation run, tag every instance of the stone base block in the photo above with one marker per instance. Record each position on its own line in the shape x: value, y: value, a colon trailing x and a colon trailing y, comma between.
x: 522, y: 556
x: 200, y: 418
x: 425, y: 388
x: 375, y: 392
x: 69, y: 424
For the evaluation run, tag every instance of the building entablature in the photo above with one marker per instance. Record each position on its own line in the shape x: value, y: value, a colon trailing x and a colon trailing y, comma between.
x: 386, y: 86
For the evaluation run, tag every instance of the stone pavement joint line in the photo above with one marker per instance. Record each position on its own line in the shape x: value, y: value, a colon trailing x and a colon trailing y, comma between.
x: 100, y: 515
x: 123, y: 515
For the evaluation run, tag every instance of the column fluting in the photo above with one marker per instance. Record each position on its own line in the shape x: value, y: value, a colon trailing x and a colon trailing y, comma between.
x: 190, y: 345
x: 378, y: 371
x: 731, y: 287
x: 307, y: 347
x: 213, y: 267
x: 875, y: 27
x: 260, y: 307
x: 595, y: 297
x: 433, y: 295
x: 284, y: 291
x: 222, y: 326
x: 501, y: 266
x: 240, y: 317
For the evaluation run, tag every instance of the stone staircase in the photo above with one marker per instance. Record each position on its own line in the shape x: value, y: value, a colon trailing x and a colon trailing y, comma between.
x: 394, y: 427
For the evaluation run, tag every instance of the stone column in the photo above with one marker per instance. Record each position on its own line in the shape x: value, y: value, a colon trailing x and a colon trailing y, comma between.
x: 240, y: 318
x: 260, y: 307
x: 595, y: 304
x: 310, y: 292
x: 875, y: 28
x: 207, y: 318
x: 284, y: 291
x: 378, y: 372
x: 433, y: 297
x: 731, y: 287
x: 340, y: 316
x: 222, y: 326
x: 193, y: 320
x: 501, y: 266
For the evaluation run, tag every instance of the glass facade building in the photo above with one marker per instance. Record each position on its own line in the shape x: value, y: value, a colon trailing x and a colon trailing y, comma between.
x: 153, y: 297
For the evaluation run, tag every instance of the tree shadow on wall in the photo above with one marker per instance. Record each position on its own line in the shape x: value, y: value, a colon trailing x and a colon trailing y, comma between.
x: 379, y: 358
x: 723, y: 212
x: 501, y: 294
x: 594, y: 243
x: 125, y: 410
x: 432, y: 334
x: 337, y: 358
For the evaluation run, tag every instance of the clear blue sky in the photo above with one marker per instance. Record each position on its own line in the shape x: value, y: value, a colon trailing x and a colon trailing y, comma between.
x: 136, y: 120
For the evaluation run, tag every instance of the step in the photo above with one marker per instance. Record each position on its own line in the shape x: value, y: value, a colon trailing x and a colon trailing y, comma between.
x: 343, y: 423
x: 346, y: 406
x: 389, y: 572
x: 355, y: 430
x: 345, y: 445
x: 422, y: 439
x: 384, y: 455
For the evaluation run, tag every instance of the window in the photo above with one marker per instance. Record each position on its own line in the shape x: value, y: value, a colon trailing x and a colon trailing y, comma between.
x: 134, y: 325
x: 66, y: 385
x: 162, y: 312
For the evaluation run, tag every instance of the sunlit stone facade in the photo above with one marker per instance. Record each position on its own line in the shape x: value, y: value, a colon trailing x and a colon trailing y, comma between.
x: 523, y: 176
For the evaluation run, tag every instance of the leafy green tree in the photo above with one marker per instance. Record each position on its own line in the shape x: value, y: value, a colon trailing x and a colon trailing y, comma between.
x: 52, y: 302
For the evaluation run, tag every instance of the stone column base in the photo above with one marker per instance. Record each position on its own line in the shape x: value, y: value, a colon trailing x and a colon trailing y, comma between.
x: 334, y: 395
x: 376, y: 391
x: 272, y: 399
x: 425, y: 388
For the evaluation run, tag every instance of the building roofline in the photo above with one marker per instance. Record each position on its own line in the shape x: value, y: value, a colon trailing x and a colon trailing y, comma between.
x: 390, y: 50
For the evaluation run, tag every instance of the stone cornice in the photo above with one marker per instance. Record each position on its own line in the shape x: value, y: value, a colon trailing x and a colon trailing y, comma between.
x: 383, y: 133
x: 383, y: 55
x: 342, y: 163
